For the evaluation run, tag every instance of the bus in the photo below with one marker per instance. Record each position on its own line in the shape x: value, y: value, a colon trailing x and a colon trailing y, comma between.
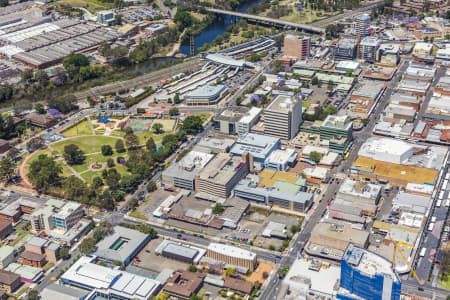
x: 433, y: 219
x: 422, y: 252
x: 430, y: 227
x: 441, y: 195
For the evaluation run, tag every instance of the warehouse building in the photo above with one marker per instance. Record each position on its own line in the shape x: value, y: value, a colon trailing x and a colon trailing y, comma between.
x: 180, y: 252
x: 121, y: 245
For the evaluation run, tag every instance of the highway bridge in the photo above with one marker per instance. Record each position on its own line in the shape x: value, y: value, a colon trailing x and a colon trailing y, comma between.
x: 270, y: 21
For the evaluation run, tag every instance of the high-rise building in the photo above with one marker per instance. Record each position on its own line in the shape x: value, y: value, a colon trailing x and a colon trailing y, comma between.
x: 362, y: 25
x: 367, y: 275
x: 283, y: 117
x: 296, y: 46
x: 345, y: 50
x: 368, y: 49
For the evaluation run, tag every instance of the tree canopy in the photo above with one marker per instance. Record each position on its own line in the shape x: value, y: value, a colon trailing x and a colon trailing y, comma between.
x: 73, y: 155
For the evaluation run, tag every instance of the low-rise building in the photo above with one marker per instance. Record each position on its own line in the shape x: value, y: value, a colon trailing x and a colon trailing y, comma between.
x: 359, y: 191
x: 182, y: 284
x: 7, y: 255
x: 421, y: 48
x: 413, y: 87
x: 180, y: 252
x: 206, y: 95
x: 388, y: 55
x: 42, y: 246
x: 27, y: 274
x: 420, y: 73
x: 364, y: 97
x: 121, y: 245
x: 227, y: 120
x: 232, y: 255
x: 248, y: 120
x: 281, y: 159
x: 9, y: 281
x: 5, y: 228
x: 33, y: 259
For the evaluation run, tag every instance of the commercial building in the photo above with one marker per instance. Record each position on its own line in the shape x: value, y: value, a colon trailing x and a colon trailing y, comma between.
x: 227, y: 120
x: 182, y: 284
x: 396, y: 113
x: 259, y: 146
x: 105, y: 17
x: 368, y: 275
x: 420, y: 73
x: 222, y: 174
x: 406, y: 100
x: 362, y: 25
x: 9, y: 282
x: 352, y: 214
x: 7, y: 255
x: 359, y: 191
x: 422, y: 48
x: 404, y: 153
x: 180, y: 252
x: 206, y: 95
x: 308, y: 278
x: 232, y: 255
x: 296, y: 46
x: 330, y: 239
x: 5, y: 228
x: 336, y: 130
x: 413, y: 87
x: 368, y: 48
x: 14, y: 210
x: 388, y: 55
x: 56, y: 291
x: 42, y: 246
x: 280, y: 189
x: 56, y: 215
x: 33, y: 259
x: 248, y: 120
x: 214, y: 145
x: 283, y: 116
x: 364, y: 97
x: 281, y: 159
x: 182, y: 174
x: 407, y: 201
x: 109, y: 283
x: 345, y: 49
x: 122, y: 244
x: 387, y: 172
x: 27, y: 273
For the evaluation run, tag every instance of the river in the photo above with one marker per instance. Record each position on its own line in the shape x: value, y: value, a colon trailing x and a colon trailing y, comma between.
x: 218, y: 28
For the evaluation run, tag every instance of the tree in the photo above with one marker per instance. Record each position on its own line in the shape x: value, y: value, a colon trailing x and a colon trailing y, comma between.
x: 73, y: 155
x: 75, y: 60
x: 33, y: 295
x: 425, y: 39
x: 330, y: 86
x: 7, y: 169
x: 295, y: 229
x: 130, y: 138
x: 44, y: 172
x: 229, y: 272
x: 97, y: 182
x: 151, y: 186
x: 120, y: 147
x: 158, y: 128
x: 217, y: 208
x: 265, y: 275
x: 110, y: 162
x: 330, y: 110
x: 195, y: 297
x: 75, y: 188
x: 64, y: 253
x: 192, y: 124
x: 27, y: 75
x: 113, y: 178
x: 315, y: 80
x: 176, y: 98
x: 87, y: 245
x: 107, y: 150
x: 315, y: 156
x: 40, y: 108
x: 192, y: 268
x: 174, y: 111
x: 150, y: 144
x: 41, y: 77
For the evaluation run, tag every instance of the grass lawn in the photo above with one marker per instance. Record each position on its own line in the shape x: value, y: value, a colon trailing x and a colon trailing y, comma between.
x: 100, y: 131
x: 117, y: 133
x: 81, y: 128
x: 138, y: 215
x: 204, y: 116
x: 444, y: 282
x: 144, y: 136
x: 92, y: 5
x: 88, y: 144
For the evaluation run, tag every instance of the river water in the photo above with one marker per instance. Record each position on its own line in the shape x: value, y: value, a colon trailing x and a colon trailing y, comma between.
x: 217, y: 28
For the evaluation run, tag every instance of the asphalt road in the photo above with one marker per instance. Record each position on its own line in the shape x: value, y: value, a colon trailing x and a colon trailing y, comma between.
x: 360, y: 137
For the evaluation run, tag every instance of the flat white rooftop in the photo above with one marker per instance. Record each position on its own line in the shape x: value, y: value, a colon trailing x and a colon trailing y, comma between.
x: 231, y: 251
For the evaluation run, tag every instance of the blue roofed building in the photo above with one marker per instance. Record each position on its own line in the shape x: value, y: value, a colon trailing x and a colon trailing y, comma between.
x: 367, y: 275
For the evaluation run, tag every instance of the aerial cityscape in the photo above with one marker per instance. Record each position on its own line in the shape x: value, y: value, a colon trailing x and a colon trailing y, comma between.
x: 224, y: 149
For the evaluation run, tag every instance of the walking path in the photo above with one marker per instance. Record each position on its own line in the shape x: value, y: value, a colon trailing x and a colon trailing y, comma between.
x: 90, y: 125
